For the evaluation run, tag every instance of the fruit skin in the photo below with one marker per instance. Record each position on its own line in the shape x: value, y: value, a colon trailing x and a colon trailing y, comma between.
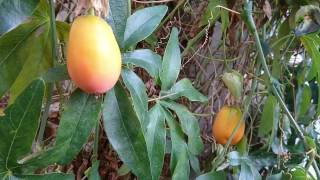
x: 93, y: 55
x: 227, y: 120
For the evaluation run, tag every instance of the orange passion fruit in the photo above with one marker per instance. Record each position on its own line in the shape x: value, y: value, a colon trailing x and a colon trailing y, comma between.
x: 93, y: 55
x: 226, y: 121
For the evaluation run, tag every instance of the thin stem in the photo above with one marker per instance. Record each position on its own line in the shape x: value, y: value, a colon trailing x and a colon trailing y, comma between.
x: 162, y: 97
x: 45, y: 114
x: 53, y: 33
x: 94, y: 156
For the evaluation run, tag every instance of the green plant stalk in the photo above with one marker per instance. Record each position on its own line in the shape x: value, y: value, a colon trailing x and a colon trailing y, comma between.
x: 53, y: 33
x: 45, y: 114
x: 274, y: 89
x: 50, y: 85
x: 94, y: 156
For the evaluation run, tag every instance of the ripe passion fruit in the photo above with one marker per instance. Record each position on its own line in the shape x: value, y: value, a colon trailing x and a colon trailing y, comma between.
x: 93, y: 55
x: 227, y: 120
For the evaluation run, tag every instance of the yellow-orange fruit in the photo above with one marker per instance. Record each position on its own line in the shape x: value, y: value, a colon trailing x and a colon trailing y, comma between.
x: 227, y: 120
x: 93, y: 55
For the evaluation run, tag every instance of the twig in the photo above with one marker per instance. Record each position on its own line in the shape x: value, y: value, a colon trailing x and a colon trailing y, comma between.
x: 162, y: 97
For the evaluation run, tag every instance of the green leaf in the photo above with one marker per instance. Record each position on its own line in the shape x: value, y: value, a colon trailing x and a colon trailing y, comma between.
x: 19, y: 126
x: 171, y: 61
x: 213, y: 175
x: 299, y: 173
x: 79, y: 117
x: 93, y: 173
x: 142, y: 23
x: 14, y: 12
x: 234, y: 81
x: 179, y: 163
x: 118, y: 14
x: 311, y: 43
x: 249, y: 172
x: 138, y: 93
x: 189, y: 126
x: 15, y: 47
x: 145, y: 59
x: 269, y: 117
x: 303, y: 100
x: 24, y: 53
x: 125, y: 133
x: 156, y: 139
x: 58, y: 73
x: 51, y: 176
x: 194, y: 162
x: 184, y: 88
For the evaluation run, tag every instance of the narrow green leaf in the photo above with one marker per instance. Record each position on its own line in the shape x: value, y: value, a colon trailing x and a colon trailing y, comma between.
x: 189, y: 126
x: 138, y: 93
x: 118, y: 14
x: 142, y: 23
x: 184, y: 88
x: 303, y: 100
x: 52, y: 176
x: 145, y: 59
x: 194, y: 163
x: 19, y: 126
x: 14, y: 12
x: 79, y: 117
x: 269, y: 115
x: 93, y: 173
x: 125, y: 133
x: 171, y: 61
x: 213, y: 175
x: 156, y: 139
x: 179, y: 163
